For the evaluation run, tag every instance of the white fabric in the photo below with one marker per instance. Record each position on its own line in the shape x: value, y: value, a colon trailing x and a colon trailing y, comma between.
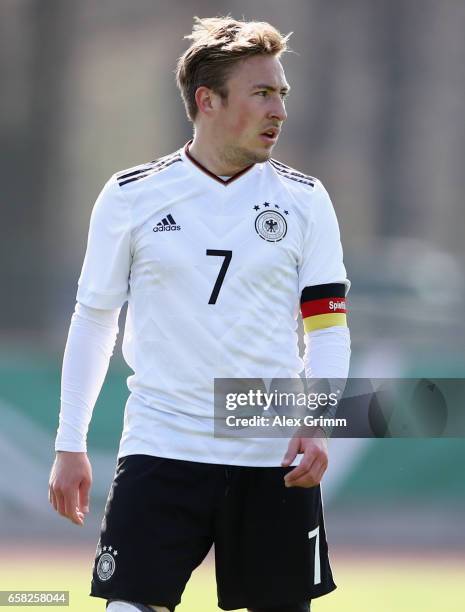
x: 327, y: 353
x: 327, y: 356
x: 107, y: 262
x: 320, y: 260
x: 91, y: 340
x: 90, y: 345
x: 175, y: 341
x: 125, y: 606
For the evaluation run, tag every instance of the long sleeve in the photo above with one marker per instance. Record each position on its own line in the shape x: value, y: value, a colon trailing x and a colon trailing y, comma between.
x: 91, y: 340
x: 327, y: 353
x: 326, y: 362
x: 324, y: 285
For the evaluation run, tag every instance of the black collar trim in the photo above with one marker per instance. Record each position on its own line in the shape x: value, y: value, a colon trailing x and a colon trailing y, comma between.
x: 211, y: 174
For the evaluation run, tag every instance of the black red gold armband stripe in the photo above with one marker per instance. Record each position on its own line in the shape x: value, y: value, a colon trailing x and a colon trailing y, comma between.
x: 323, y: 306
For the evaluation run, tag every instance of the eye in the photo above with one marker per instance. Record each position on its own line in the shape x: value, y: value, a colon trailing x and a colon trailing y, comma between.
x: 262, y: 92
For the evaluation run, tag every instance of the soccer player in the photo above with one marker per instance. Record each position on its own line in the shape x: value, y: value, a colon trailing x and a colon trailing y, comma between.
x: 213, y: 247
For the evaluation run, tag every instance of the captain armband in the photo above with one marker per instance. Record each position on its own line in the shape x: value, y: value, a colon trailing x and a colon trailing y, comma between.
x: 323, y: 306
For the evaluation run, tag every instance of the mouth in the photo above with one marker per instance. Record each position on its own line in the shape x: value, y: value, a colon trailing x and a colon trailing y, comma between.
x: 270, y: 135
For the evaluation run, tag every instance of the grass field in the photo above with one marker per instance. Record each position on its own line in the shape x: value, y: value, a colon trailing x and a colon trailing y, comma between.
x: 377, y: 583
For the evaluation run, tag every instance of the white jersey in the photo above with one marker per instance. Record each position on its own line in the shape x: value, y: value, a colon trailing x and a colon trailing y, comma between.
x: 213, y: 272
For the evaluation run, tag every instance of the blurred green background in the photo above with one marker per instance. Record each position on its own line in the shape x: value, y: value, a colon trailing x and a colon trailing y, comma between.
x: 377, y: 113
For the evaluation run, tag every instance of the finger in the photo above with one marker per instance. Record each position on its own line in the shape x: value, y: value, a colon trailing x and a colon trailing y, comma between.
x: 60, y: 501
x: 304, y: 466
x: 291, y: 453
x: 84, y: 490
x: 312, y: 454
x: 316, y: 472
x: 52, y: 498
x: 312, y: 477
x: 321, y: 473
x: 71, y: 507
x: 296, y: 474
x: 305, y: 482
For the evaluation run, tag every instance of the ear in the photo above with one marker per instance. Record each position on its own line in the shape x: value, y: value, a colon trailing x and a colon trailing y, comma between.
x: 206, y: 100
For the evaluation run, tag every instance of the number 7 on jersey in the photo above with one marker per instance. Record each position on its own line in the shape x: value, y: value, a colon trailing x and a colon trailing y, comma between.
x: 224, y: 267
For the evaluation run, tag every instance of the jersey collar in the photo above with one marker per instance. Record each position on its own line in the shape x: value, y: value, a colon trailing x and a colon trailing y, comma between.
x: 225, y: 183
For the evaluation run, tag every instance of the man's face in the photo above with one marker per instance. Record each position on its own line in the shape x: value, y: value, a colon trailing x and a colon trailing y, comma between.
x: 255, y: 105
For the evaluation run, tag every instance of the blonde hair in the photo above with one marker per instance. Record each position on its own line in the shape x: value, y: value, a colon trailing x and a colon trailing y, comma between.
x: 218, y: 44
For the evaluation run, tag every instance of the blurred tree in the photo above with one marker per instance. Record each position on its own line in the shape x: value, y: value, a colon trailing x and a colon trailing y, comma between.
x: 32, y: 160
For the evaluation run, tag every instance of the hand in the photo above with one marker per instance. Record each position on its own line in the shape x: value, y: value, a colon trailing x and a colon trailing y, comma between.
x: 69, y: 485
x: 310, y: 470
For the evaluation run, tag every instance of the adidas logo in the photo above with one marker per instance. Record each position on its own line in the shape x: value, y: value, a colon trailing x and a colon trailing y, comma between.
x: 167, y: 224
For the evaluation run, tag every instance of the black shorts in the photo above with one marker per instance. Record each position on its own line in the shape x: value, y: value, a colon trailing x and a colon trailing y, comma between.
x: 163, y: 515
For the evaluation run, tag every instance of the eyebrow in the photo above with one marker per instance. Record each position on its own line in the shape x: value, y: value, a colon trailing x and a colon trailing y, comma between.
x: 285, y: 89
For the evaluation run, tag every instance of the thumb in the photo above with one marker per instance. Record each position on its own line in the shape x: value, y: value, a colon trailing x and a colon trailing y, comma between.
x: 291, y: 453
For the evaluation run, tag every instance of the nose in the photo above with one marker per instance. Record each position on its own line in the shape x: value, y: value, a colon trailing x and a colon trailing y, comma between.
x: 278, y: 111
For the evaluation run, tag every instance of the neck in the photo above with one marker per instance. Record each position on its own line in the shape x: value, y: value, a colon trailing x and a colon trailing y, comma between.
x: 211, y: 155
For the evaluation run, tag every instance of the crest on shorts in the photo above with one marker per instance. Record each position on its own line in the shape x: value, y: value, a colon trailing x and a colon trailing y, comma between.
x: 270, y: 224
x: 106, y: 563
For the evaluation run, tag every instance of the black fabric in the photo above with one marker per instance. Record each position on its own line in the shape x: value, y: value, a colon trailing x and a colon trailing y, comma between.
x: 319, y: 292
x: 298, y: 607
x: 163, y: 515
